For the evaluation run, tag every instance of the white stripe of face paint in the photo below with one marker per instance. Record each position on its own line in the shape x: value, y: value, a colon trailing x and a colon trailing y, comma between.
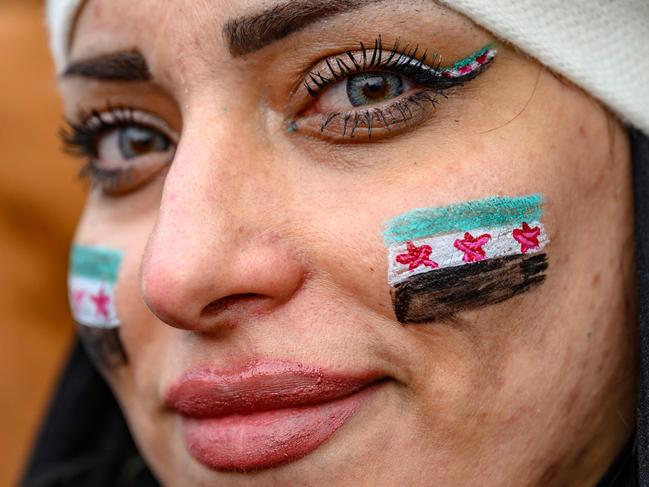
x: 92, y: 302
x: 444, y: 254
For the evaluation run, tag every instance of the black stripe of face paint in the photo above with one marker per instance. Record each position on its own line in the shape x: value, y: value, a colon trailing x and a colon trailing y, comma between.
x: 442, y: 293
x: 103, y: 345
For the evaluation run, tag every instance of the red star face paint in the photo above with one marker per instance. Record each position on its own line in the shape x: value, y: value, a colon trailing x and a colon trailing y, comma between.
x: 91, y: 283
x: 449, y: 259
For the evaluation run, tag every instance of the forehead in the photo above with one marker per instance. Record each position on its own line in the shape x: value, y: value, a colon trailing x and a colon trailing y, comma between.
x: 154, y: 13
x: 186, y: 26
x: 111, y: 25
x: 196, y: 48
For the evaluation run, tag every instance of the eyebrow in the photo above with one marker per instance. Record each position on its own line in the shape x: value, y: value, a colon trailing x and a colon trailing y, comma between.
x: 253, y: 32
x: 119, y: 66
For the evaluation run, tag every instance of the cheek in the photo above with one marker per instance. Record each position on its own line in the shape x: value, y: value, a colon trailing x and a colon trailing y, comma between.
x: 142, y: 333
x: 115, y: 231
x: 103, y: 278
x: 92, y: 282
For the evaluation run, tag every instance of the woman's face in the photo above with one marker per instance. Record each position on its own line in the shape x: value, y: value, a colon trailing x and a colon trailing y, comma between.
x: 234, y: 172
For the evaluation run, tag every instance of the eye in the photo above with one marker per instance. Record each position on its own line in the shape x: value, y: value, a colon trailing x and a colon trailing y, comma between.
x: 363, y: 89
x: 126, y: 149
x: 380, y: 93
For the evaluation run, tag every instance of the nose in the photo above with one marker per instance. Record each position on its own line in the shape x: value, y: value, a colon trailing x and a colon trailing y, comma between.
x: 217, y: 254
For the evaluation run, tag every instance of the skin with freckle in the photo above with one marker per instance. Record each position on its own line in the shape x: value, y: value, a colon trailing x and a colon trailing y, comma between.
x: 261, y: 243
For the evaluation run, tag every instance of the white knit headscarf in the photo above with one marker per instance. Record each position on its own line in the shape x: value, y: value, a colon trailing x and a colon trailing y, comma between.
x: 600, y: 45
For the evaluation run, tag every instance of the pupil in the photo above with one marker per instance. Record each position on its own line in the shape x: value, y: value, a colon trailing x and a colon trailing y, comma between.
x: 369, y: 88
x: 375, y: 87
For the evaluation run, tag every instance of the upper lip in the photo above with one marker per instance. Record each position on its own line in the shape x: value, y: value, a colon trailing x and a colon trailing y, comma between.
x: 261, y: 385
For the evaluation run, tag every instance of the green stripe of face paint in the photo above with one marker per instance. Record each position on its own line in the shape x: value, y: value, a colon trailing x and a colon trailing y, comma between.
x: 463, y: 217
x: 95, y: 263
x: 472, y: 57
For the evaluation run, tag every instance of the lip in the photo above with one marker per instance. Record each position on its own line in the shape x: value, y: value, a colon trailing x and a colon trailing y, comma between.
x: 265, y: 413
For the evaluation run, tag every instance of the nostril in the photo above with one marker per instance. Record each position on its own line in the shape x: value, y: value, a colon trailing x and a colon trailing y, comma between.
x: 234, y: 302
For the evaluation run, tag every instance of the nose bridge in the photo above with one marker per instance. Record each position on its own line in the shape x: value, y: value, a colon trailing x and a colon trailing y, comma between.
x: 207, y: 196
x: 216, y: 239
x: 216, y: 165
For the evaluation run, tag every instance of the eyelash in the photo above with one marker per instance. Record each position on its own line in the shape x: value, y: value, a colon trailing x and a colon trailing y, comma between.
x: 435, y: 80
x: 79, y: 139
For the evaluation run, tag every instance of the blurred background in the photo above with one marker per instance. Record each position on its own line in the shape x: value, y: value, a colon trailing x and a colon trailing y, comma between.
x: 40, y: 200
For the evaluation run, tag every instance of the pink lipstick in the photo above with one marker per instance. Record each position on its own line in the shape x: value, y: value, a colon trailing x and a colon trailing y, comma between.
x: 264, y: 414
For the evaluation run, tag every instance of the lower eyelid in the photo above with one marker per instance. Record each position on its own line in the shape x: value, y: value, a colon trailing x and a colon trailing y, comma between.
x: 386, y: 119
x: 138, y: 173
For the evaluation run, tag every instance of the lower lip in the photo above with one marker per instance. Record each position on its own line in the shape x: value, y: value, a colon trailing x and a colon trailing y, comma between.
x: 267, y: 439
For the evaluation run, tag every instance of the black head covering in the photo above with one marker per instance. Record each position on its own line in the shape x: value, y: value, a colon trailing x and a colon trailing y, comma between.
x: 640, y: 148
x: 85, y: 441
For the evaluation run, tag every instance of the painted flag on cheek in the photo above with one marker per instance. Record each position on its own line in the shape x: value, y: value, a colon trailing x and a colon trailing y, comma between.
x: 91, y: 283
x: 448, y: 259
